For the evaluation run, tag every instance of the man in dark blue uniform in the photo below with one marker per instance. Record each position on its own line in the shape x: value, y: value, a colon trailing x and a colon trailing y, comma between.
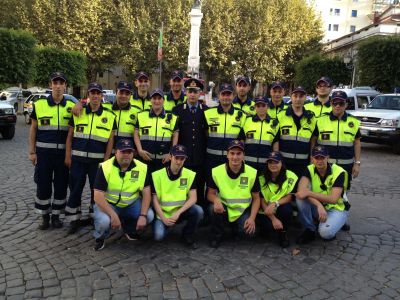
x: 193, y: 134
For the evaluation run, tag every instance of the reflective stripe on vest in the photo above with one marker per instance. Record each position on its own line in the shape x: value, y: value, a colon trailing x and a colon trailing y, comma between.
x: 87, y: 154
x: 235, y: 193
x: 341, y: 161
x: 270, y: 192
x: 259, y: 160
x: 329, y: 180
x: 294, y: 155
x: 124, y: 191
x: 50, y: 145
x: 172, y: 194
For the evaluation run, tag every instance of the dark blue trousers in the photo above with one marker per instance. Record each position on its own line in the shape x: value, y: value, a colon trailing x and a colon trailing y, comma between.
x: 77, y: 180
x: 50, y: 172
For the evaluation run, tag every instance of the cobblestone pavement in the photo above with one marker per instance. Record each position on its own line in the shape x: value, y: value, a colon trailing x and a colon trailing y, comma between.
x: 363, y: 263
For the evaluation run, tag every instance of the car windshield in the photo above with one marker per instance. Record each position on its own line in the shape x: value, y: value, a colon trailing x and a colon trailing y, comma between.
x: 385, y: 102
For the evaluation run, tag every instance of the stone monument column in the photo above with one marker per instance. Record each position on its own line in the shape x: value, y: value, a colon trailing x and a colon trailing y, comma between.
x: 194, y: 58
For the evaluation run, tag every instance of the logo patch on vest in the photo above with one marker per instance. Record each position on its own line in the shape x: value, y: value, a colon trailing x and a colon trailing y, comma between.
x: 252, y: 108
x: 244, y: 180
x: 285, y: 131
x: 183, y: 182
x: 104, y: 120
x: 132, y: 116
x: 45, y: 122
x: 290, y: 181
x: 351, y: 124
x: 80, y: 128
x: 325, y: 136
x: 145, y: 131
x: 250, y: 135
x: 69, y: 109
x: 134, y: 175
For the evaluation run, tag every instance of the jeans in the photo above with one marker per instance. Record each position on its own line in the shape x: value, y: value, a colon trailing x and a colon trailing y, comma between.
x: 328, y: 229
x: 193, y: 216
x: 218, y: 221
x: 127, y: 215
x: 283, y: 213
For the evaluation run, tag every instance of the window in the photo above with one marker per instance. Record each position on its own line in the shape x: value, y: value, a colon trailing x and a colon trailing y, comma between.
x: 331, y: 11
x: 335, y: 27
x: 354, y: 13
x: 355, y: 0
x: 329, y: 27
x: 352, y: 28
x: 337, y: 11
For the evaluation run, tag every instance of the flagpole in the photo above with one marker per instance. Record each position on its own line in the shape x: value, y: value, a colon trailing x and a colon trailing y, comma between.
x: 161, y: 58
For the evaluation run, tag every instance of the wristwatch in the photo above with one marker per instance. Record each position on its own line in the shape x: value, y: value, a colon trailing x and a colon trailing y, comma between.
x: 357, y: 162
x: 277, y: 204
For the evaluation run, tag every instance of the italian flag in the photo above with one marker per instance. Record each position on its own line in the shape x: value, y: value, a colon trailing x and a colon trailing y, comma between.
x: 160, y: 45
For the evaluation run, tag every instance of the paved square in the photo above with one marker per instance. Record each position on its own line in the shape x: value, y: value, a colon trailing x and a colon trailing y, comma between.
x: 363, y: 263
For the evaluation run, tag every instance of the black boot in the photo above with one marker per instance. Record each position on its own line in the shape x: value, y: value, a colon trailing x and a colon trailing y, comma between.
x: 283, y: 239
x: 73, y: 227
x: 45, y: 222
x: 56, y: 222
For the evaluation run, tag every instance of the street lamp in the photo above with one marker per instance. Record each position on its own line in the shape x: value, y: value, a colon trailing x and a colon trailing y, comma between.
x: 348, y: 59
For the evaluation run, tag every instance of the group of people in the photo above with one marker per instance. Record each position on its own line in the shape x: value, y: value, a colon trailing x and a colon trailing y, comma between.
x: 160, y: 159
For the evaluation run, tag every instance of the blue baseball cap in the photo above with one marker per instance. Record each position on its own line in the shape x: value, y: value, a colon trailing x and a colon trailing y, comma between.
x: 245, y: 79
x: 124, y: 86
x: 124, y: 144
x: 279, y: 84
x: 226, y: 87
x: 274, y: 155
x: 176, y: 74
x: 299, y: 89
x: 261, y: 99
x: 95, y: 86
x: 58, y: 75
x: 142, y: 74
x: 326, y: 80
x: 157, y: 92
x: 178, y: 150
x: 236, y: 144
x: 319, y: 150
x: 339, y: 96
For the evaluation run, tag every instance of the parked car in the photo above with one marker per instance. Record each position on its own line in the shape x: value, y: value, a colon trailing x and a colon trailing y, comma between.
x: 13, y: 95
x: 8, y: 119
x: 380, y: 121
x: 28, y: 107
x: 358, y: 97
x: 109, y: 96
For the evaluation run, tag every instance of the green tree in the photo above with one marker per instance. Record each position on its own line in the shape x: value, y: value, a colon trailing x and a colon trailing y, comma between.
x: 311, y: 68
x: 78, y: 25
x: 48, y: 60
x: 378, y: 63
x: 16, y: 56
x: 263, y: 37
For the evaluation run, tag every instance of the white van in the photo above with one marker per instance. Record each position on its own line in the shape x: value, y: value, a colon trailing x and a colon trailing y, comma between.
x: 358, y: 97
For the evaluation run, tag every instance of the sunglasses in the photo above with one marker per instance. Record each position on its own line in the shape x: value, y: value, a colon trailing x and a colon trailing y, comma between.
x: 193, y: 91
x: 339, y: 103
